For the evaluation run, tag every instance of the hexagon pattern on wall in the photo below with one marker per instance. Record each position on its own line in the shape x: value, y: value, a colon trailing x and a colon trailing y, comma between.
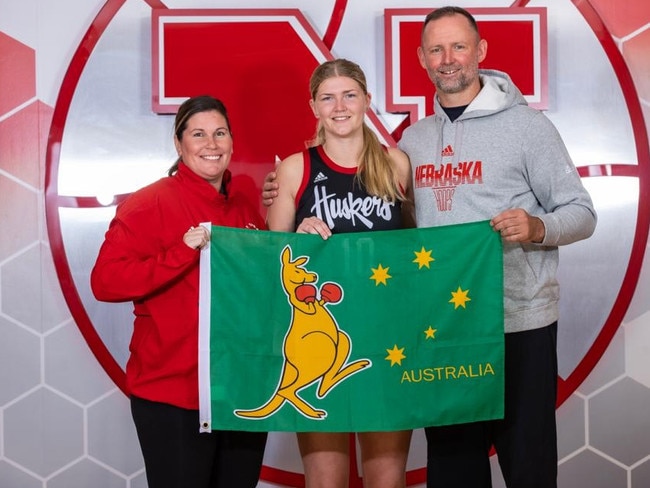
x: 44, y: 437
x: 17, y: 73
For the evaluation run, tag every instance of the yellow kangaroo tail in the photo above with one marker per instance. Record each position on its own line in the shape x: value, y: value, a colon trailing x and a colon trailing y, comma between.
x: 265, y: 410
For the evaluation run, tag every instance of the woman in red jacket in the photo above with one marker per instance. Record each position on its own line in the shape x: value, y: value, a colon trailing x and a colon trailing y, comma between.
x: 151, y: 258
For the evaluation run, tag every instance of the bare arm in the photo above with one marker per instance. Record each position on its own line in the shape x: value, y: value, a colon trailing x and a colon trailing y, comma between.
x: 281, y: 214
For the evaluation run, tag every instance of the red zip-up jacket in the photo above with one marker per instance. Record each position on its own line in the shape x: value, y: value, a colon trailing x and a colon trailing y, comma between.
x: 144, y: 259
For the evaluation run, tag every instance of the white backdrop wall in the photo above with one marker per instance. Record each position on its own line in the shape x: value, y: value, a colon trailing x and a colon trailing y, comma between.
x: 64, y: 422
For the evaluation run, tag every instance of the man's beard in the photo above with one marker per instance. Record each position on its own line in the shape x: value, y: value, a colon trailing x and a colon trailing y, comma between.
x: 458, y: 84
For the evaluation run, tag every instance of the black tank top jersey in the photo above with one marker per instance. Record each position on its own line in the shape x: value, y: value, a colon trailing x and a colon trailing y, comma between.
x: 333, y: 194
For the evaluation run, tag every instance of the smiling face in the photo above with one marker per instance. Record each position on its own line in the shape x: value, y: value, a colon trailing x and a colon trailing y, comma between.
x: 451, y: 52
x: 206, y: 146
x: 340, y: 105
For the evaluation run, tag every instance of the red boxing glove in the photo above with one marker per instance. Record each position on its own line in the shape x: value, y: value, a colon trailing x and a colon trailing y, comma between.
x: 306, y: 293
x: 331, y: 292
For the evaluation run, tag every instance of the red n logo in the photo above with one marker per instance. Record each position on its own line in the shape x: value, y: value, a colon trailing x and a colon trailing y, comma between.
x: 260, y: 62
x: 259, y: 65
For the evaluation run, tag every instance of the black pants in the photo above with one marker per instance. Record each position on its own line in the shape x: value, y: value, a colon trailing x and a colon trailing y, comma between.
x: 525, y: 440
x: 176, y: 455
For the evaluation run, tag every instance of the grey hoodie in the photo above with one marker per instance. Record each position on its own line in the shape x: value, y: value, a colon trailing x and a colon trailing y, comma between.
x: 502, y: 154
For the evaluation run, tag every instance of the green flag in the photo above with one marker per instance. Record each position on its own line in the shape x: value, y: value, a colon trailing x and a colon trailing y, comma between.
x: 373, y: 331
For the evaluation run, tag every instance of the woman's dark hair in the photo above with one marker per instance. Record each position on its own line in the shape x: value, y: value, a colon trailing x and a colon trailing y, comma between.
x: 192, y: 106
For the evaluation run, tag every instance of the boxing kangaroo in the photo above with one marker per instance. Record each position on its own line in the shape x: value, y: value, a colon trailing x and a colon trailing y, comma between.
x: 315, y: 349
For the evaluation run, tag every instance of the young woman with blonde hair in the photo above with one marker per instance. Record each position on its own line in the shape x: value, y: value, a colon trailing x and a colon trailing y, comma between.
x: 347, y: 181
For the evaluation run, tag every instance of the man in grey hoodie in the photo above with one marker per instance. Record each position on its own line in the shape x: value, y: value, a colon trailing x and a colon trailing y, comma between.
x: 485, y: 154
